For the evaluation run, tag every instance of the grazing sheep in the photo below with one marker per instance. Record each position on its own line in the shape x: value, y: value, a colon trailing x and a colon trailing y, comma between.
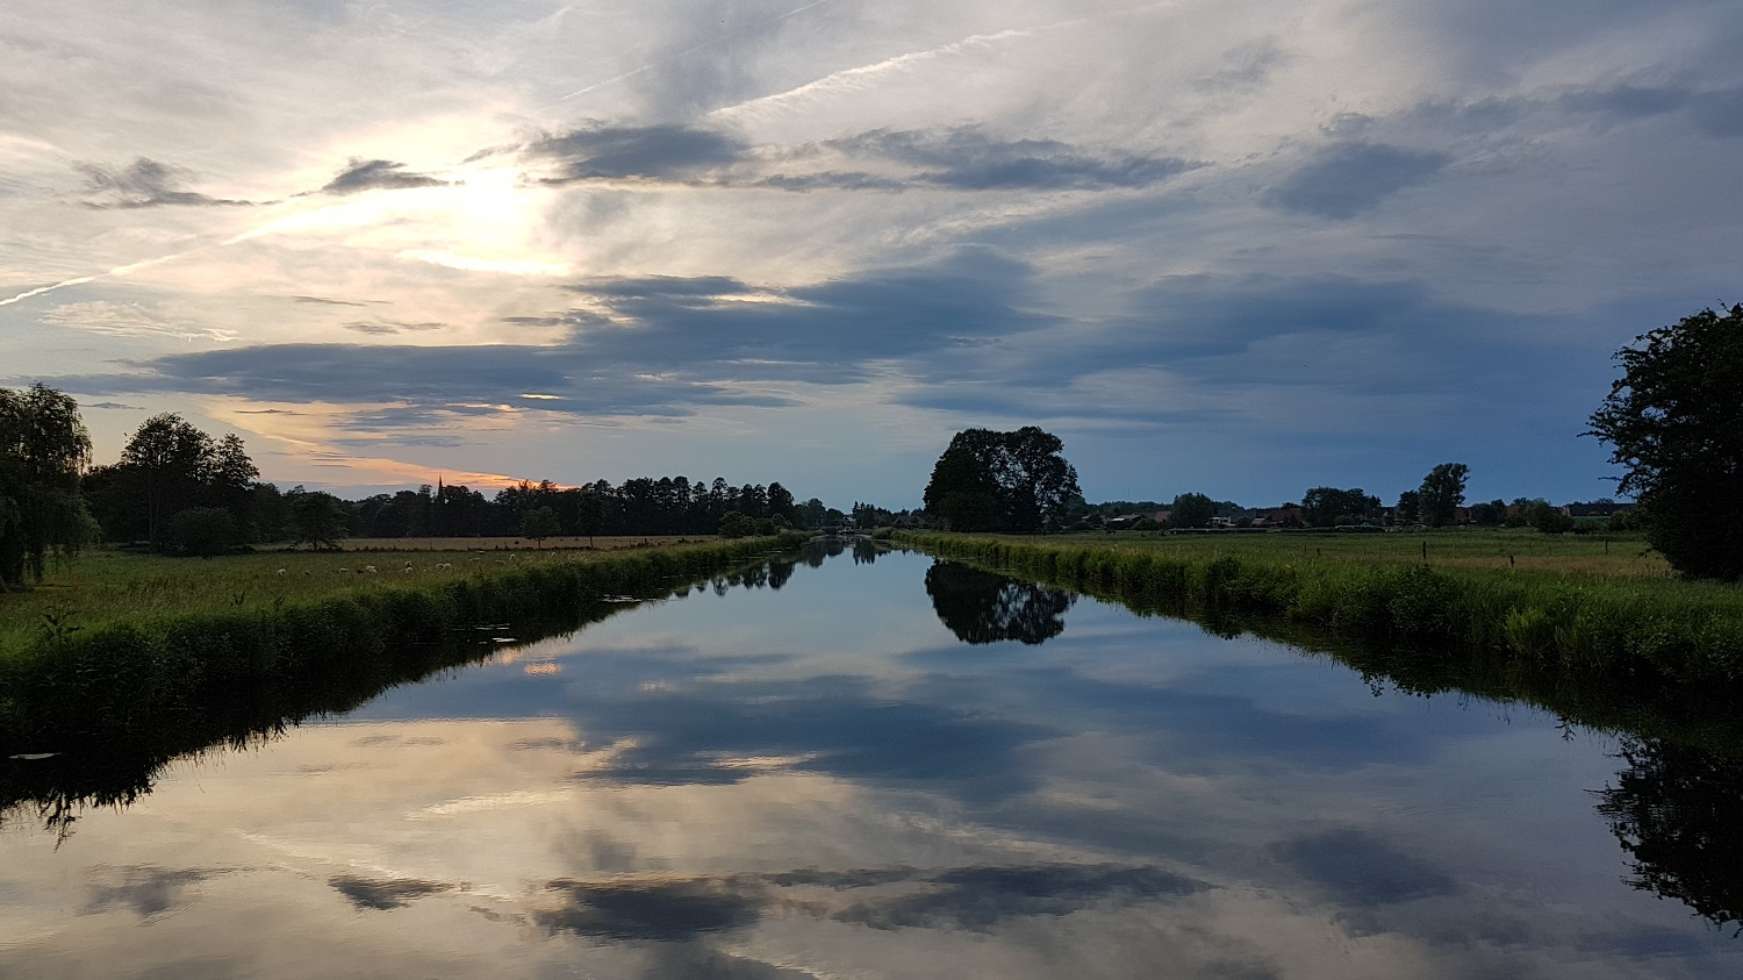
x: 280, y: 573
x: 369, y: 570
x: 343, y: 570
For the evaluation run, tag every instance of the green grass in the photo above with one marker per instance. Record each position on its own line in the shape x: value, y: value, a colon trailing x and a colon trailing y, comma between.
x: 139, y: 669
x: 106, y: 586
x: 1572, y: 614
x: 1617, y: 555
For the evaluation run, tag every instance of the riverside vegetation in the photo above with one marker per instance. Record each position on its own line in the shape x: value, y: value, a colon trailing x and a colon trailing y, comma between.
x: 208, y: 668
x: 1634, y: 629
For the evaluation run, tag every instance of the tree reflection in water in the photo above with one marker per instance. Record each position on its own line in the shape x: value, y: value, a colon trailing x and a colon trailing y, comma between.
x: 982, y: 607
x: 1677, y: 811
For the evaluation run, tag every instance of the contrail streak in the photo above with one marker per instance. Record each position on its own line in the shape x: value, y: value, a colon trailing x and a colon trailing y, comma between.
x: 119, y: 270
x: 853, y: 79
x: 613, y: 80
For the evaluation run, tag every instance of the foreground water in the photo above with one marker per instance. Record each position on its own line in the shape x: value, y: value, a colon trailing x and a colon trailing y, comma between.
x: 878, y: 765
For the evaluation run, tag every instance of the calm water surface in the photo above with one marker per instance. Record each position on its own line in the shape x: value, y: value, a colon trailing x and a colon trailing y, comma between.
x: 862, y: 768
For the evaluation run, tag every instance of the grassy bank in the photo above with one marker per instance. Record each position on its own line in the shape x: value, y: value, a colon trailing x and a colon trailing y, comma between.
x: 1603, y: 555
x: 68, y: 690
x: 108, y: 586
x: 1640, y: 629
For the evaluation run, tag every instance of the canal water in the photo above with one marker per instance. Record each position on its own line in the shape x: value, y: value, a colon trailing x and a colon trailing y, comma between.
x: 869, y: 764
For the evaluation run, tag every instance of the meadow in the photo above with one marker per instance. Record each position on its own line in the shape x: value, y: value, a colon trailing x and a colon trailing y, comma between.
x: 104, y: 586
x: 1560, y: 605
x: 1605, y: 555
x: 177, y: 645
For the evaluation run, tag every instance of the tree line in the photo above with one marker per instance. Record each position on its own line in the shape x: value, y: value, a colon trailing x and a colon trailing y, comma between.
x: 179, y: 490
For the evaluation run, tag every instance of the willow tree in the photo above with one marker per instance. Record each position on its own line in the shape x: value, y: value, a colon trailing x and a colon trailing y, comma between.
x: 43, y: 450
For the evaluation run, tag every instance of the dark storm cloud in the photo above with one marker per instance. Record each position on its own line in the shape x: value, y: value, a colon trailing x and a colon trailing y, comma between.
x: 116, y: 406
x: 146, y: 889
x: 1360, y: 869
x: 966, y: 158
x: 145, y: 183
x: 377, y: 175
x: 384, y: 893
x: 664, y: 152
x: 695, y: 962
x: 1345, y: 180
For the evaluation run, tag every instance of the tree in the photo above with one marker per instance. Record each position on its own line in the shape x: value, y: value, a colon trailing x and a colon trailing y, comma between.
x: 539, y: 524
x: 174, y: 458
x: 736, y: 525
x: 781, y: 503
x: 1550, y: 519
x: 1491, y: 514
x: 317, y: 519
x: 1329, y: 506
x: 1409, y: 510
x: 1191, y: 510
x: 43, y: 448
x: 1002, y: 481
x: 1674, y: 422
x: 1442, y: 493
x: 203, y: 532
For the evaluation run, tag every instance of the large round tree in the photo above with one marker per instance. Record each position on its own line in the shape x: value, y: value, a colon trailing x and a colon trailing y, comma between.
x: 1674, y: 421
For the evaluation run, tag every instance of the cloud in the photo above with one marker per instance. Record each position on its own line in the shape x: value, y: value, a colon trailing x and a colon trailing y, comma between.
x: 380, y: 328
x: 652, y: 346
x: 145, y: 183
x: 325, y: 301
x: 662, y: 152
x: 978, y: 898
x: 378, y: 175
x: 1359, y: 869
x: 963, y: 158
x: 146, y: 889
x: 664, y: 910
x: 966, y: 158
x: 114, y: 406
x: 384, y: 893
x: 1346, y: 180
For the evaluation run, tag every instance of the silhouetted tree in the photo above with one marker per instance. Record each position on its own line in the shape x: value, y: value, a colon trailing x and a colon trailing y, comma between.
x: 43, y: 448
x: 317, y: 519
x: 1409, y: 510
x: 1442, y: 493
x: 540, y: 523
x: 1329, y: 506
x: 1674, y: 422
x: 1191, y: 510
x: 1008, y: 481
x: 173, y: 458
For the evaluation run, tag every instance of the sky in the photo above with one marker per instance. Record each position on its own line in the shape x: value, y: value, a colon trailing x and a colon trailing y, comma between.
x: 1241, y: 247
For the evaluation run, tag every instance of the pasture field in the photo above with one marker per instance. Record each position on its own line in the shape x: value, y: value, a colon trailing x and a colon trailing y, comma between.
x: 1517, y: 551
x: 104, y: 586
